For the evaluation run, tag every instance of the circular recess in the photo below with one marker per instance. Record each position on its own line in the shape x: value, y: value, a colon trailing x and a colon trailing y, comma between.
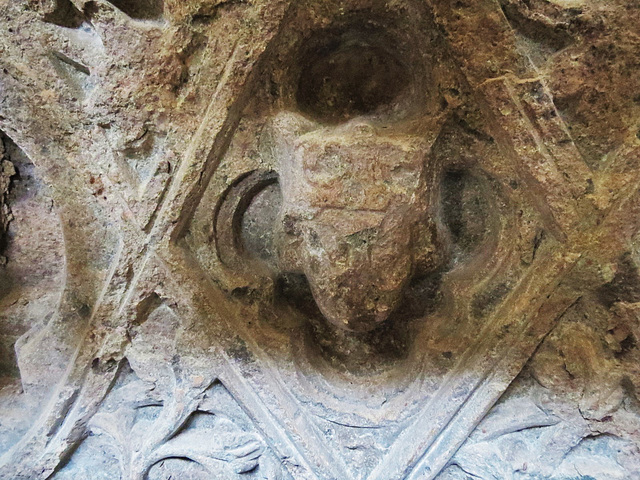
x: 355, y: 68
x: 466, y: 211
x: 244, y: 220
x: 351, y: 79
x: 257, y: 224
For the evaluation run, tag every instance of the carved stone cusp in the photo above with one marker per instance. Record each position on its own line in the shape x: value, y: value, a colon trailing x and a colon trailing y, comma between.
x: 354, y: 203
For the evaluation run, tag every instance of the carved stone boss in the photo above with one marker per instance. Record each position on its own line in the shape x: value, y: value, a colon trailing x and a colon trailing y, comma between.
x: 303, y: 249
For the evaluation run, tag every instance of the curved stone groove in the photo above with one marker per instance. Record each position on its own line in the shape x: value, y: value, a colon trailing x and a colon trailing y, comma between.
x: 319, y: 240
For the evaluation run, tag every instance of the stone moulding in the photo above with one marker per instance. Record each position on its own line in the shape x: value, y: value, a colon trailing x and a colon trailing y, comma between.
x: 321, y: 240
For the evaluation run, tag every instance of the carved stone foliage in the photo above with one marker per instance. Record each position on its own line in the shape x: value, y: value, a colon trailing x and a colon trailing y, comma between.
x: 161, y: 418
x: 364, y: 240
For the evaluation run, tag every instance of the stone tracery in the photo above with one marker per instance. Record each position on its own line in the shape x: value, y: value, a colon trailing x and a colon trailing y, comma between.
x: 237, y: 179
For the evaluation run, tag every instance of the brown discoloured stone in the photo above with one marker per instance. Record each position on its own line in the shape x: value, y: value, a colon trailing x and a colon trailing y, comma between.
x: 7, y: 170
x: 319, y: 240
x: 355, y: 203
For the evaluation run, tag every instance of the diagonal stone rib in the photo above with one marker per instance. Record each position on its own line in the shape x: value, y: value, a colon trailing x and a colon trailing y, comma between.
x: 469, y: 390
x: 540, y: 148
x: 298, y: 441
x: 519, y: 108
x: 505, y: 345
x: 80, y: 393
x: 532, y: 135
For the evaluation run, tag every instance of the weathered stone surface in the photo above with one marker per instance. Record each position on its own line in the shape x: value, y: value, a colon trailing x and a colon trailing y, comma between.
x: 363, y: 240
x: 7, y: 170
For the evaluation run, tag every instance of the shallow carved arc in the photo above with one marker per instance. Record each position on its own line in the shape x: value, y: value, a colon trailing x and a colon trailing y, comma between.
x: 78, y: 393
x: 96, y: 292
x: 75, y: 324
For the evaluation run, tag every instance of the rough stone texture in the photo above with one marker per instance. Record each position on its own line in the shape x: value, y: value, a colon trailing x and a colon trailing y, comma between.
x: 321, y: 239
x: 7, y: 170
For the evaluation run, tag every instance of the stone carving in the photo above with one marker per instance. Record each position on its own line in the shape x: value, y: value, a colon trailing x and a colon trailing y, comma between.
x: 320, y: 239
x: 355, y: 204
x: 139, y: 449
x: 146, y: 432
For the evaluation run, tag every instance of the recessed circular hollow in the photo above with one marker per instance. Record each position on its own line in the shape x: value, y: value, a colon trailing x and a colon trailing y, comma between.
x: 349, y: 78
x: 466, y: 211
x: 258, y: 220
x: 242, y: 219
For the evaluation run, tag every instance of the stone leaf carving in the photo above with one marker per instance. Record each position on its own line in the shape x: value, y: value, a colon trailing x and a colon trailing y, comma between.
x: 572, y: 411
x: 520, y: 440
x: 143, y: 442
x: 166, y: 409
x: 144, y: 428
